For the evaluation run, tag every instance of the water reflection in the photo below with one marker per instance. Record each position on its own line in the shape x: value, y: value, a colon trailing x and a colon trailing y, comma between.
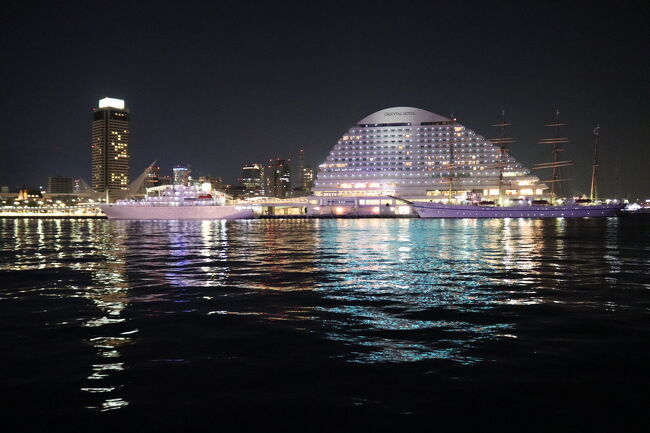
x: 110, y: 295
x: 395, y: 277
x: 82, y: 260
x: 367, y: 291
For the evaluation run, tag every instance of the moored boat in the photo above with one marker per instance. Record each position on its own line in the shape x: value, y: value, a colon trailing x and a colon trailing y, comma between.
x: 439, y: 210
x: 528, y: 207
x: 178, y: 202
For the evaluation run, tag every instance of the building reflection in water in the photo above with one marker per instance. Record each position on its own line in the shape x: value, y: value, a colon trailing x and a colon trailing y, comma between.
x: 110, y: 295
x: 409, y: 289
x: 397, y: 290
x: 68, y: 250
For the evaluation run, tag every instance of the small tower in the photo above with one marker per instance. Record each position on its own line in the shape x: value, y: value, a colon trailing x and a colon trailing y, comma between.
x: 593, y: 194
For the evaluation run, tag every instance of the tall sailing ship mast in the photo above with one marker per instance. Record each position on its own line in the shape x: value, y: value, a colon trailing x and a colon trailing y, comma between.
x: 453, y: 165
x: 593, y: 194
x: 503, y: 141
x: 451, y: 159
x: 556, y: 165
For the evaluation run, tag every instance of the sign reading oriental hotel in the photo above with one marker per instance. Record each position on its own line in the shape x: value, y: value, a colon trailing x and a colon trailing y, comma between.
x: 414, y: 153
x: 399, y: 113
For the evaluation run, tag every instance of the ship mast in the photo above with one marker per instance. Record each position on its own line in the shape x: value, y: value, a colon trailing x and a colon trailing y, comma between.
x: 557, y: 141
x: 594, y: 167
x: 451, y: 159
x: 502, y: 141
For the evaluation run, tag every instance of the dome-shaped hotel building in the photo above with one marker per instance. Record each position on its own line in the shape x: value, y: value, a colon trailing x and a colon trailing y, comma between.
x: 419, y: 156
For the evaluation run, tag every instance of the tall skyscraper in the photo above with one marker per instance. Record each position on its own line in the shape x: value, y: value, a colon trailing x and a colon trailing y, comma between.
x: 301, y: 166
x: 305, y: 174
x: 307, y: 179
x: 279, y: 178
x: 110, y: 147
x: 253, y: 179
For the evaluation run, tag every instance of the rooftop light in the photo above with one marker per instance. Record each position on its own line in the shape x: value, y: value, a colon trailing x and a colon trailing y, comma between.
x: 111, y: 102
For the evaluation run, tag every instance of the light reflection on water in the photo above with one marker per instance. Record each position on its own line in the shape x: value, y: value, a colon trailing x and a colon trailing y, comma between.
x: 383, y: 290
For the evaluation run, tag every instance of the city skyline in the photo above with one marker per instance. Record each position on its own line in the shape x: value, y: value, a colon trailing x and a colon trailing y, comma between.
x: 218, y: 108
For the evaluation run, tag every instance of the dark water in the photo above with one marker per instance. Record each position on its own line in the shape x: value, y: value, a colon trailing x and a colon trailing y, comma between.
x: 326, y: 325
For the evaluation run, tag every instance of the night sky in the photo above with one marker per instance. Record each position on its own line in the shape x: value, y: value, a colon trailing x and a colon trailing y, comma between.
x: 217, y: 86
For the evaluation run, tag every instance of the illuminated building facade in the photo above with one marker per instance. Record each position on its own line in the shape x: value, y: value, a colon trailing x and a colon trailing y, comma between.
x: 279, y: 178
x: 307, y: 178
x: 110, y: 147
x: 422, y: 156
x: 181, y: 176
x: 253, y: 180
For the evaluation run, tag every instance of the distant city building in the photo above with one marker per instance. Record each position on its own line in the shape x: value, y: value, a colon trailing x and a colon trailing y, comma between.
x: 305, y: 175
x: 306, y: 182
x: 152, y: 178
x: 4, y: 189
x: 235, y: 191
x: 301, y: 166
x: 279, y: 178
x: 181, y: 175
x: 215, y: 182
x: 165, y: 180
x: 307, y: 178
x: 253, y: 179
x: 110, y: 147
x: 59, y: 185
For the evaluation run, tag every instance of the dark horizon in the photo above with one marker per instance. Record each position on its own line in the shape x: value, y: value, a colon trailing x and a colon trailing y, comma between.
x: 221, y: 87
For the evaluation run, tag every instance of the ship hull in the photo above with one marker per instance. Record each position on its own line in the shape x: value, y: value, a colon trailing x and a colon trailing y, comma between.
x: 434, y: 210
x: 143, y: 212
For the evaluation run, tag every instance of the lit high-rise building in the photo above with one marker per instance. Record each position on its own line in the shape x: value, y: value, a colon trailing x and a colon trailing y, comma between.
x: 110, y: 147
x: 307, y: 178
x: 305, y: 174
x: 253, y: 179
x: 279, y: 178
x: 181, y: 175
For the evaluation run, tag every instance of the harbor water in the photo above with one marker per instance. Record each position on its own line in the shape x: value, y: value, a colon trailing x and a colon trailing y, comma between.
x: 325, y: 325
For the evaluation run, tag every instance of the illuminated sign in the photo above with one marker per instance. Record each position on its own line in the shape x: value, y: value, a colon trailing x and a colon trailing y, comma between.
x: 399, y: 113
x: 111, y: 102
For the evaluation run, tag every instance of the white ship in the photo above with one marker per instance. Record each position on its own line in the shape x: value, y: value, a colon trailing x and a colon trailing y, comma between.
x: 177, y: 202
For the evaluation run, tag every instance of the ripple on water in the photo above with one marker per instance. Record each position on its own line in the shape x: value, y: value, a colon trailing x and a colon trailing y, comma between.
x: 132, y: 300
